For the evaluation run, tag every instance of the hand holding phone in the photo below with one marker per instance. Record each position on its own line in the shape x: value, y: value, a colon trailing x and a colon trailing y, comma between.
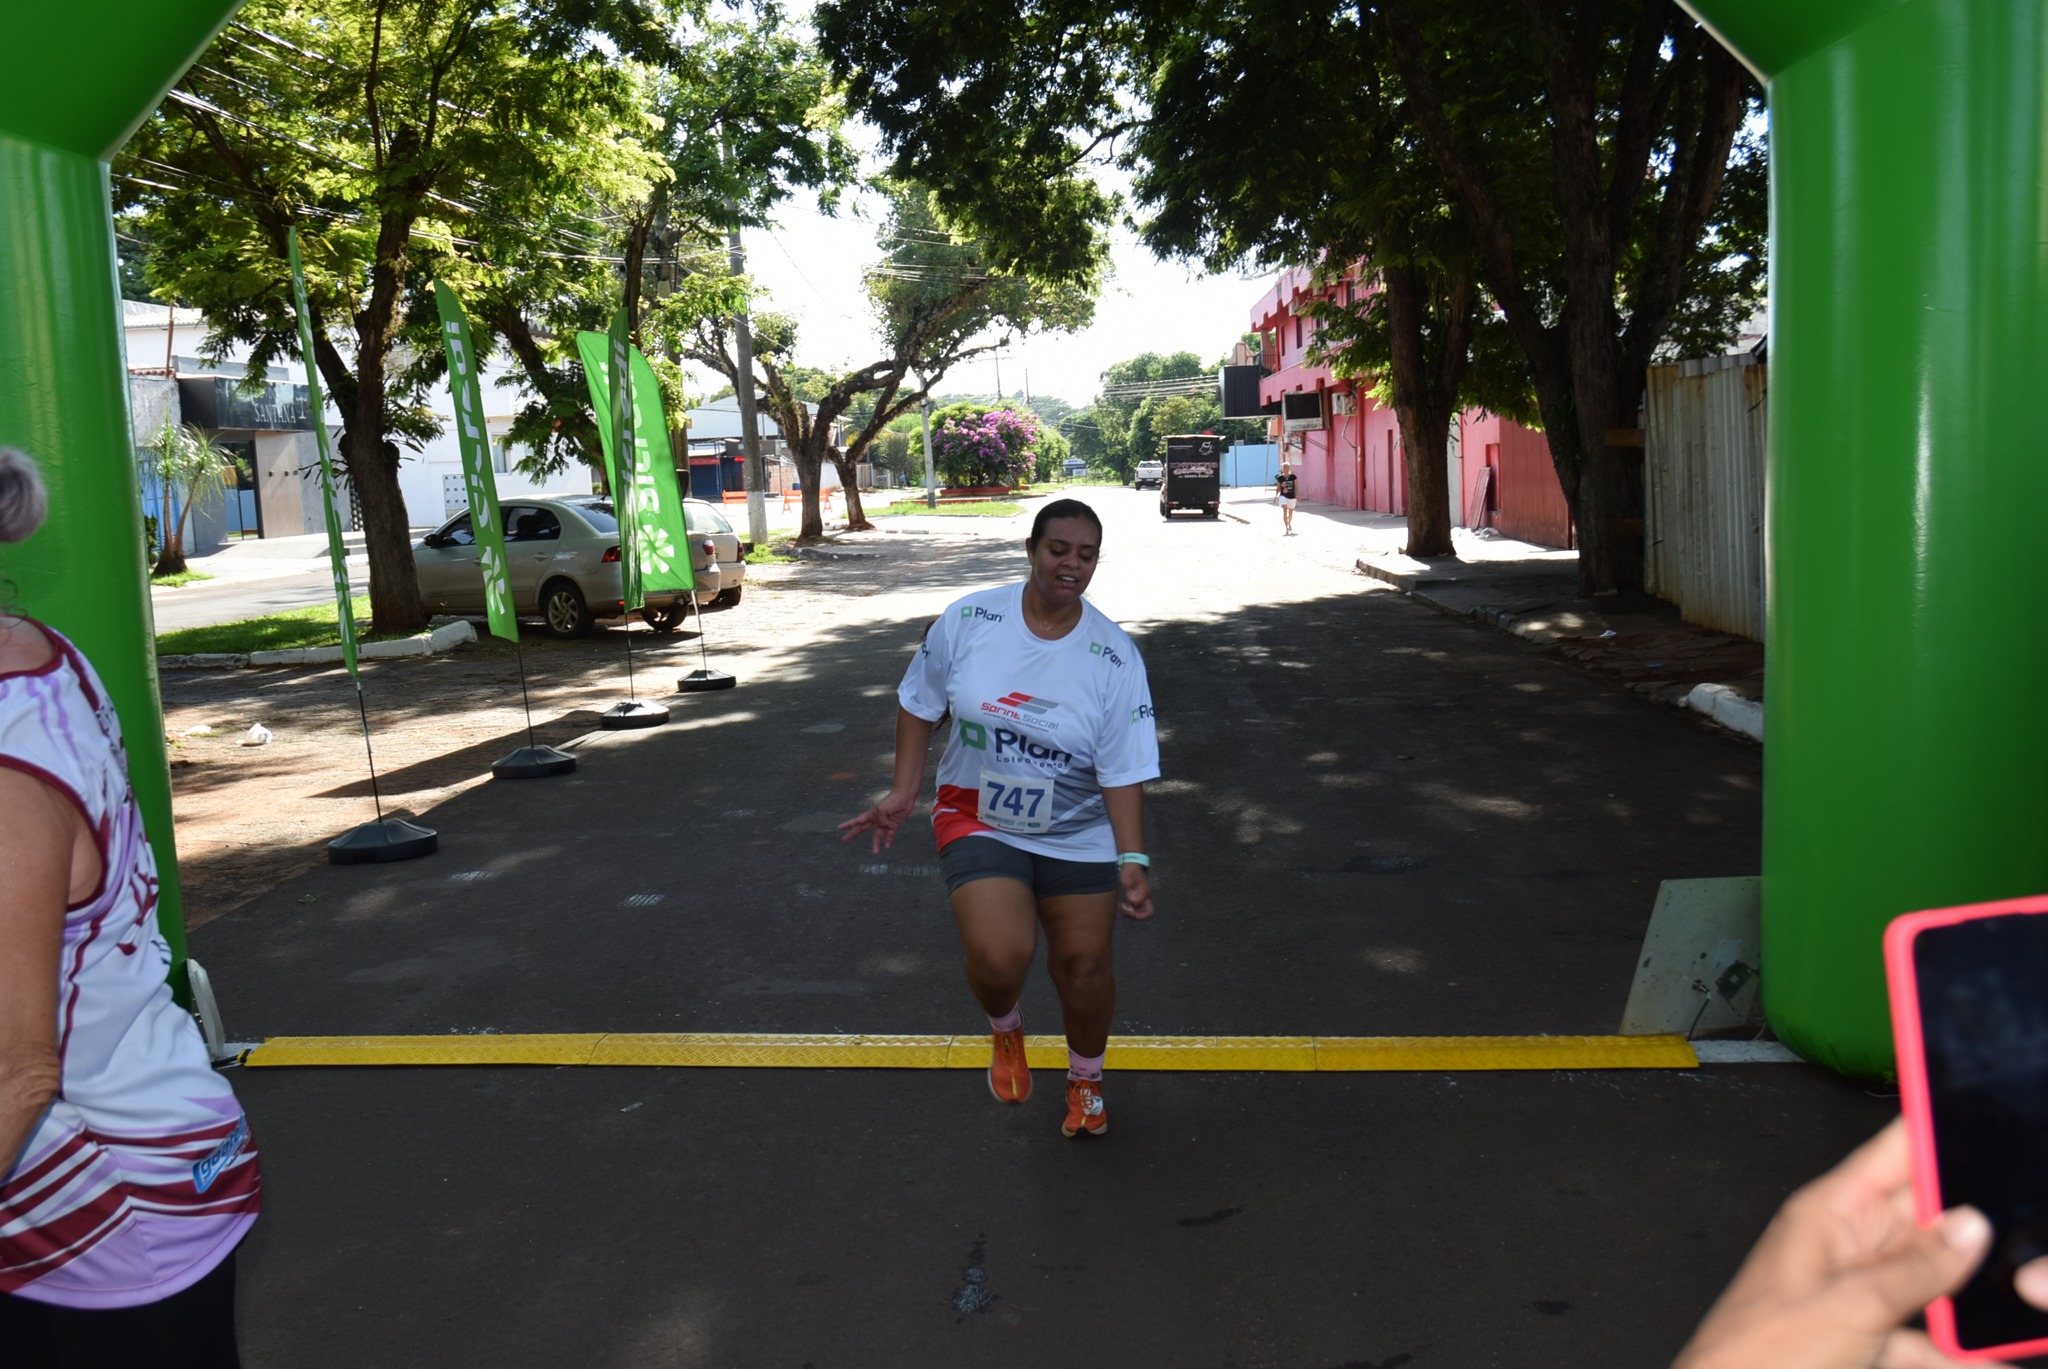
x: 1838, y: 1270
x: 1969, y: 997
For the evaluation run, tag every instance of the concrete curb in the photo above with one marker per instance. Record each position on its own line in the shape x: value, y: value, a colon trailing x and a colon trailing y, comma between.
x: 443, y: 638
x: 1717, y: 701
x: 1728, y: 708
x: 1404, y: 574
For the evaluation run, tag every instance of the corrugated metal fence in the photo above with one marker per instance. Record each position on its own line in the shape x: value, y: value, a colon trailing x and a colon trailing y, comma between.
x: 1703, y: 467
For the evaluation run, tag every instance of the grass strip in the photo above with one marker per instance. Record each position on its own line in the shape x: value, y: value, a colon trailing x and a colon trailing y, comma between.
x: 183, y: 577
x: 316, y: 625
x: 777, y: 555
x: 980, y: 508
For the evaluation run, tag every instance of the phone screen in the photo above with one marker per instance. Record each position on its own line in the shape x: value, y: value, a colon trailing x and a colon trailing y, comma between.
x: 1983, y: 988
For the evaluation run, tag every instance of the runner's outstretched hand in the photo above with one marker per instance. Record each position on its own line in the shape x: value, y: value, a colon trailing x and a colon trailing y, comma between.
x: 883, y: 819
x: 1134, y: 896
x: 1838, y: 1270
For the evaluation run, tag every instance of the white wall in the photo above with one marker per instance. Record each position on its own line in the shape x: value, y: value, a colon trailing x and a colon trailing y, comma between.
x: 422, y: 475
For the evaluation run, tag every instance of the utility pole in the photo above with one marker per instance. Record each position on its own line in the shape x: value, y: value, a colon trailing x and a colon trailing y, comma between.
x: 931, y: 471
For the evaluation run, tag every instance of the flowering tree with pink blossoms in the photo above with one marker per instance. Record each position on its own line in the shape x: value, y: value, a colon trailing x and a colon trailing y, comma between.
x: 973, y: 444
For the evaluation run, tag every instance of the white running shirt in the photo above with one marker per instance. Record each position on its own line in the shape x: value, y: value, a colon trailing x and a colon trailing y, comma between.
x: 140, y: 1178
x: 1039, y: 728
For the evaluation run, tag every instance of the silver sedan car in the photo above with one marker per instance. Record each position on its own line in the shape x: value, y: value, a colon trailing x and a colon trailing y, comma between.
x: 562, y: 552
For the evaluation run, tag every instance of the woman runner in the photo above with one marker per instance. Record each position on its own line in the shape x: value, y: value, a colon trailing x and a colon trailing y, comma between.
x: 1283, y: 495
x: 1040, y: 814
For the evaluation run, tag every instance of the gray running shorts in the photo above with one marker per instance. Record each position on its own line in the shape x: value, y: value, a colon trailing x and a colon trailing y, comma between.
x: 978, y: 857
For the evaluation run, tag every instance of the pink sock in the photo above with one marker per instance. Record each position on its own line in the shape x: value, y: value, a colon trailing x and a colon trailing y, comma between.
x: 1080, y: 1066
x: 1013, y: 1020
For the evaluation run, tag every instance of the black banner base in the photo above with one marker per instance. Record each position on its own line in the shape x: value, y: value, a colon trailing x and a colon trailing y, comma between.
x: 375, y: 843
x: 533, y: 763
x: 703, y: 681
x: 642, y: 714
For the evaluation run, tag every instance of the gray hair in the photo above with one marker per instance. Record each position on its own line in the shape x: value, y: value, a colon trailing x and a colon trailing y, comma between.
x: 23, y: 501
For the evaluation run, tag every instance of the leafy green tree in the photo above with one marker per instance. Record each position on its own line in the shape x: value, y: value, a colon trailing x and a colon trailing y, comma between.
x: 1049, y: 453
x: 1050, y: 408
x: 1599, y: 151
x: 1084, y: 438
x: 937, y: 302
x: 389, y: 132
x: 1126, y: 385
x: 1148, y: 397
x: 747, y: 117
x: 186, y: 466
x: 1357, y: 196
x: 1159, y: 418
x: 1626, y: 217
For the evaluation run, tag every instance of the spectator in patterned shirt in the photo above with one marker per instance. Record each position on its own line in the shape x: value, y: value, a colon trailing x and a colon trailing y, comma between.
x: 127, y: 1176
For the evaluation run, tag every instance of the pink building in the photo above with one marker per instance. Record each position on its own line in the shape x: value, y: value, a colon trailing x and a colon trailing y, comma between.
x: 1346, y: 448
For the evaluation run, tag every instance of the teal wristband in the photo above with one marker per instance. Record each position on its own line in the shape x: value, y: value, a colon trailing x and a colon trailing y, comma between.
x: 1135, y: 858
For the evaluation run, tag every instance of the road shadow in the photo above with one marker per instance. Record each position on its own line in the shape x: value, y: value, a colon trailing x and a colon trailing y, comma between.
x: 1372, y: 819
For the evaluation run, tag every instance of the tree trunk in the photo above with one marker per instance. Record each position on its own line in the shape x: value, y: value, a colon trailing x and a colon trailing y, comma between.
x: 1610, y: 557
x: 394, y: 580
x: 810, y: 466
x: 372, y: 462
x: 1425, y: 455
x: 1423, y: 400
x: 856, y: 517
x: 171, y: 560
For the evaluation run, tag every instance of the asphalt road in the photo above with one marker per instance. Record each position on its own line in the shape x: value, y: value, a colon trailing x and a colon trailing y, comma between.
x: 204, y: 603
x: 1374, y: 820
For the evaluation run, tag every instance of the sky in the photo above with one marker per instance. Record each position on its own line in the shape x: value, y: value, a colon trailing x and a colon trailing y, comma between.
x: 811, y: 266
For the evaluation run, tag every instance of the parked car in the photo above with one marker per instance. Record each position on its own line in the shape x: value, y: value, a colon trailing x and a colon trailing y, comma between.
x: 562, y: 553
x: 1151, y: 473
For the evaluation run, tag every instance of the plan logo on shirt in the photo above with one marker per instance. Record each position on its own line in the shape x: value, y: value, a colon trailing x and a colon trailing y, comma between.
x: 976, y: 611
x: 1099, y: 649
x: 1141, y: 711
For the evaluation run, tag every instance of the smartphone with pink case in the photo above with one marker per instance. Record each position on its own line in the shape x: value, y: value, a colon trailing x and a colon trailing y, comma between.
x: 1969, y: 998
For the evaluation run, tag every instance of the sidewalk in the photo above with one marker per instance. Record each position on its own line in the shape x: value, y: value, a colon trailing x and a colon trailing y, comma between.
x: 1532, y: 592
x: 273, y: 558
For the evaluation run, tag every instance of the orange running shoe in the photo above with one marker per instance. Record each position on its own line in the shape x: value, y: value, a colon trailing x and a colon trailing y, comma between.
x: 1084, y: 1109
x: 1009, y: 1076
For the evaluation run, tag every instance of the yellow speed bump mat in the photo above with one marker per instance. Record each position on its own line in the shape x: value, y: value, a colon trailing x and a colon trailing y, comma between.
x: 718, y: 1050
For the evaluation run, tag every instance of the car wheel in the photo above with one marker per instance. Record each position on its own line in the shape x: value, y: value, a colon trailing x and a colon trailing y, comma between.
x: 729, y: 598
x: 666, y: 619
x: 563, y: 612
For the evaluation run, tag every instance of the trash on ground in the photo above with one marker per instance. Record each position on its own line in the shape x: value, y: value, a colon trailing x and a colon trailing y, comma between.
x: 257, y: 735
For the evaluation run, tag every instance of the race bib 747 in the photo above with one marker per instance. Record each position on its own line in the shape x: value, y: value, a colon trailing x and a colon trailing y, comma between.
x: 1015, y: 803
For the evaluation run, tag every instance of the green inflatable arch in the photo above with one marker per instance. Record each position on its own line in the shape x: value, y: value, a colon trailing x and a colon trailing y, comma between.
x: 79, y: 79
x: 1907, y: 755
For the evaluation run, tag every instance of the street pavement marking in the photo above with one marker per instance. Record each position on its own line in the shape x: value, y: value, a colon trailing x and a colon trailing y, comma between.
x: 769, y: 1050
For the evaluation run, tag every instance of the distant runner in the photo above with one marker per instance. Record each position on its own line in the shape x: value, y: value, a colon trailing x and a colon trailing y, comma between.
x: 1283, y: 495
x: 1040, y: 815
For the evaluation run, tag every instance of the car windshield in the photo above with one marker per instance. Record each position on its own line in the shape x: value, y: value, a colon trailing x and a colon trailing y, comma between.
x: 597, y: 513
